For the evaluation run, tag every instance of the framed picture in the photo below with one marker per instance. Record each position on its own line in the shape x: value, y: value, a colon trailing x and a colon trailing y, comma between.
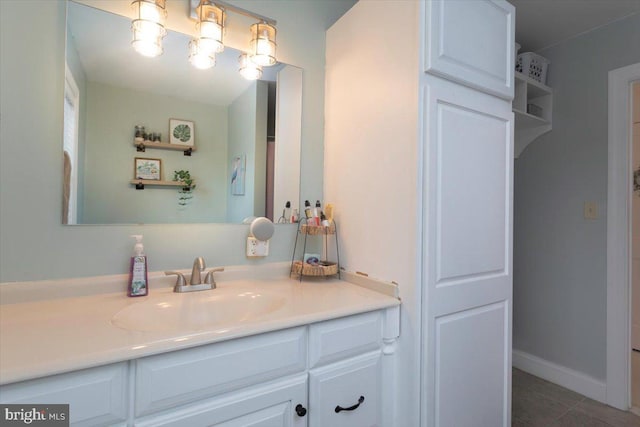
x: 237, y: 175
x: 147, y: 169
x: 182, y: 132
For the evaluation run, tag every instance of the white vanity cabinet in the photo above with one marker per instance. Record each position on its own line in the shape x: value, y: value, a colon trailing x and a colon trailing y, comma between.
x: 96, y: 396
x: 293, y: 377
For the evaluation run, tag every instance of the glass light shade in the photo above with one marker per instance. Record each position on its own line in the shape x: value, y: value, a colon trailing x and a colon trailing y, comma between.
x: 148, y: 26
x: 249, y: 69
x: 147, y: 45
x: 200, y: 58
x: 262, y: 48
x: 210, y: 27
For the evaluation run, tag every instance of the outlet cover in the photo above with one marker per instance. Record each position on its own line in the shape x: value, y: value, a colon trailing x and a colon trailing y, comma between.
x: 257, y: 248
x: 590, y: 210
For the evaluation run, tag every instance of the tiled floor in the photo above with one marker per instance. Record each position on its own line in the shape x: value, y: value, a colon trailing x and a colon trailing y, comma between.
x: 536, y: 402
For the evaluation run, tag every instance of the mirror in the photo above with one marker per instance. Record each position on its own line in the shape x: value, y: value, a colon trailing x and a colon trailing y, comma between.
x: 245, y: 131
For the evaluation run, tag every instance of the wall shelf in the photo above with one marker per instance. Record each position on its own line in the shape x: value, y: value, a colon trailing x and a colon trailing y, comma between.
x: 141, y: 146
x: 528, y: 126
x: 141, y: 183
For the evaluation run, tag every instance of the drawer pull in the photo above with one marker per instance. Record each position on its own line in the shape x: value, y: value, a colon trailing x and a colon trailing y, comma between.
x: 350, y: 408
x: 301, y: 410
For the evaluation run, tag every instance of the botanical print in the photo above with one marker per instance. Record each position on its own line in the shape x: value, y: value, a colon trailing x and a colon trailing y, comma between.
x: 237, y: 175
x: 181, y: 132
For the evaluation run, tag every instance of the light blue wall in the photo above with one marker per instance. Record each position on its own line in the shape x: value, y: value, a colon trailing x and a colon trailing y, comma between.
x: 34, y: 245
x: 560, y: 294
x: 247, y: 136
x: 112, y: 113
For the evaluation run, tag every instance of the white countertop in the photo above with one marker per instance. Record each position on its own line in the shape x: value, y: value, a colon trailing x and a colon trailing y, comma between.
x: 46, y: 337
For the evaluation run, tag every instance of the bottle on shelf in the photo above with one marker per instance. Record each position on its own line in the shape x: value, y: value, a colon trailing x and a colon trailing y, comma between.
x: 307, y: 210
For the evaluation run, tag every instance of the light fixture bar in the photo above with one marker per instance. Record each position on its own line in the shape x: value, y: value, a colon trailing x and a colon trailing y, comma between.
x: 229, y: 7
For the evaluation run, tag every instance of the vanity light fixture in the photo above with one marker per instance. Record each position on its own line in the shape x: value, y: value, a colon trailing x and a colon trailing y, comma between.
x: 209, y: 29
x: 148, y: 26
x: 249, y: 69
x: 199, y: 57
x: 262, y: 49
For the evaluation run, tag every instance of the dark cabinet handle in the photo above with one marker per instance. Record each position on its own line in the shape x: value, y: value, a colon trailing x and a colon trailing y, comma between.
x: 301, y: 410
x: 350, y: 408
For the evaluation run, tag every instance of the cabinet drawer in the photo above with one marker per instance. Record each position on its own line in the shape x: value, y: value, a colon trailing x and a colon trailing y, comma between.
x: 271, y: 405
x: 342, y: 338
x: 96, y: 397
x: 168, y: 380
x: 342, y: 385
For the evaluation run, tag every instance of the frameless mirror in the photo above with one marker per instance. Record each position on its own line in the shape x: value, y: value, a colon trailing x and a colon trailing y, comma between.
x: 245, y: 135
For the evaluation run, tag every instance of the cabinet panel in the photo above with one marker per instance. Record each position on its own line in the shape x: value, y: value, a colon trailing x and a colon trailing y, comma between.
x: 344, y: 384
x: 343, y: 338
x: 468, y: 242
x: 481, y: 56
x: 271, y: 405
x: 471, y: 355
x: 175, y: 378
x: 96, y: 397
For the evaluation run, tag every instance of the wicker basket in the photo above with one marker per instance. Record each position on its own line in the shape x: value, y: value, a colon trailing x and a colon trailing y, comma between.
x: 315, y: 230
x: 314, y: 270
x: 533, y: 66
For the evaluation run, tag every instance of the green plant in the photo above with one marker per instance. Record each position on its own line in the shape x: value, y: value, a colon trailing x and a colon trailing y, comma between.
x: 184, y: 176
x: 186, y: 192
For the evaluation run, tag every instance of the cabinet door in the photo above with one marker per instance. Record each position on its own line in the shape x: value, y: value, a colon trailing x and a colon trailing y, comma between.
x: 272, y: 405
x: 346, y: 394
x: 472, y: 42
x: 467, y: 257
x: 96, y: 397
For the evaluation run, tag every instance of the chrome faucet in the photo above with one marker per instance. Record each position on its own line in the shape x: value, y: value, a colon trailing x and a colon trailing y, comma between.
x: 195, y: 284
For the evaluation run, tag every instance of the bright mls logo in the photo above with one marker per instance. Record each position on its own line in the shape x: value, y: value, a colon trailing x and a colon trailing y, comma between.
x: 35, y: 415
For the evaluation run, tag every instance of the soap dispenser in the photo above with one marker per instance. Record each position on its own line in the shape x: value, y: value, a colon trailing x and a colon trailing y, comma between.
x: 138, y: 270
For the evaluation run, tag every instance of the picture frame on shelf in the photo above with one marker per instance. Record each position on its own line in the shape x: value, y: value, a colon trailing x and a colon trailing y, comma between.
x: 182, y: 132
x: 145, y: 168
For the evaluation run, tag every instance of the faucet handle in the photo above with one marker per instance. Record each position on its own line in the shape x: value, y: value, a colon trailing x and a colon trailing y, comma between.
x: 209, y: 278
x: 180, y: 280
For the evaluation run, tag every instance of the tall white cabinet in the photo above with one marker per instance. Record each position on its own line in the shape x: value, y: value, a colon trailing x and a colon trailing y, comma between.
x: 419, y: 128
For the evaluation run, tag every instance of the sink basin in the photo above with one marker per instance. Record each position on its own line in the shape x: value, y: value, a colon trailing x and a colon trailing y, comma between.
x: 196, y: 311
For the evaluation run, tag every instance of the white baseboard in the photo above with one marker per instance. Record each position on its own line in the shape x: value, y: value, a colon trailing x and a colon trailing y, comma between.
x: 565, y: 377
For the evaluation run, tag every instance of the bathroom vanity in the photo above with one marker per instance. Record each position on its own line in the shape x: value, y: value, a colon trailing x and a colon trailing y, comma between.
x: 311, y: 354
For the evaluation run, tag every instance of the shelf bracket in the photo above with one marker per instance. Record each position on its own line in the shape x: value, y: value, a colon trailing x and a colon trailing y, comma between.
x: 140, y: 148
x: 139, y: 186
x: 188, y: 152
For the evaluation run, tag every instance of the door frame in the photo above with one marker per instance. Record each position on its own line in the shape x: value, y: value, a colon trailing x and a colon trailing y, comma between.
x: 618, y: 237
